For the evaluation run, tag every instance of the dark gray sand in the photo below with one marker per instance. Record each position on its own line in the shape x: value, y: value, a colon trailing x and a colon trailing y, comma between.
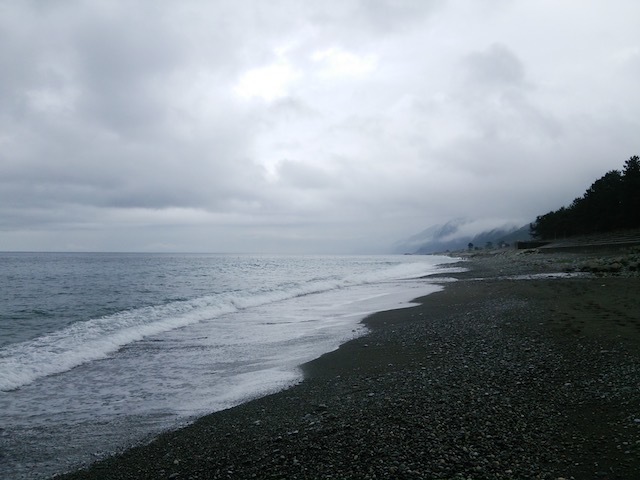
x: 491, y: 378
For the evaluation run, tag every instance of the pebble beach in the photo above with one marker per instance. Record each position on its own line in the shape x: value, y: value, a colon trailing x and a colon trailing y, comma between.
x: 525, y: 366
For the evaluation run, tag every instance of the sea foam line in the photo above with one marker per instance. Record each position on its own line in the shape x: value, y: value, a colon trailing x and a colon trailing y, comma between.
x: 95, y: 339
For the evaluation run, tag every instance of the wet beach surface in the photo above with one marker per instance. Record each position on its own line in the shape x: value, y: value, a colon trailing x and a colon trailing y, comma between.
x: 491, y: 378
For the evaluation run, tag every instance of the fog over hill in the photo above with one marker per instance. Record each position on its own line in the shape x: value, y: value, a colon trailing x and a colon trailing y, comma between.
x: 456, y: 234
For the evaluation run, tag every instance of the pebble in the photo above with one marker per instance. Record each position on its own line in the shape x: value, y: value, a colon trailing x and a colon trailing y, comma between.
x: 477, y: 391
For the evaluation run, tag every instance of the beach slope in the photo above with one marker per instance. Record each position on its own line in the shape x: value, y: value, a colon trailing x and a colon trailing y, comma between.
x: 494, y: 377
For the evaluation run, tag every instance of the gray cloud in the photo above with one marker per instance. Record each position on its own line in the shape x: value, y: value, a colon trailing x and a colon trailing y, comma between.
x: 496, y: 67
x: 298, y: 126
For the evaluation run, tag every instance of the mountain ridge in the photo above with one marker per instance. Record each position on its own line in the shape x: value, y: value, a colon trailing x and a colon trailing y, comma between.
x: 458, y: 233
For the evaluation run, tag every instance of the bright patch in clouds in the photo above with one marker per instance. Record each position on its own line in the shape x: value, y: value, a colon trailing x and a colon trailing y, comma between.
x: 268, y: 83
x: 337, y: 62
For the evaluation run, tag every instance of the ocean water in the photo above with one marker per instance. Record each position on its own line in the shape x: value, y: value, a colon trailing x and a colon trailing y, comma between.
x: 99, y: 352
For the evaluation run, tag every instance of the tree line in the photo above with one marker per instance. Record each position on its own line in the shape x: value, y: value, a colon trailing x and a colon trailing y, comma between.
x: 611, y: 203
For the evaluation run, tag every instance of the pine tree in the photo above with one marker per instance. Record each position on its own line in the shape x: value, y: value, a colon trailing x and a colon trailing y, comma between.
x: 630, y: 193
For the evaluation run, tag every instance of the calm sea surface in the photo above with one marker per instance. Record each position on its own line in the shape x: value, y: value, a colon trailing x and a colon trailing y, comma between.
x: 99, y: 352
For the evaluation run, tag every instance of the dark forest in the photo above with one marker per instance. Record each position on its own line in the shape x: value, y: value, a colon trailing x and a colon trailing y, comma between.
x: 611, y: 203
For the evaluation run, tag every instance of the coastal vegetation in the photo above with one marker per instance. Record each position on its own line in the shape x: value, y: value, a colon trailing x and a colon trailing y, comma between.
x: 611, y: 203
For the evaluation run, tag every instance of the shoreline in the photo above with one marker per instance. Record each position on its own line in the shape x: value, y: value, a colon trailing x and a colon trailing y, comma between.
x: 489, y: 378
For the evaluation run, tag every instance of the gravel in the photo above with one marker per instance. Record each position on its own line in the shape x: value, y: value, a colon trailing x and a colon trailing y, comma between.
x: 481, y: 381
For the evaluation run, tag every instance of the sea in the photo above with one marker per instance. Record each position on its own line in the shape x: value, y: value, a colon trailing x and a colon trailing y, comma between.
x: 103, y: 351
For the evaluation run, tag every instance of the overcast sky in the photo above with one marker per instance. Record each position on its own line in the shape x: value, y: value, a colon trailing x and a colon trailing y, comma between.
x: 303, y: 126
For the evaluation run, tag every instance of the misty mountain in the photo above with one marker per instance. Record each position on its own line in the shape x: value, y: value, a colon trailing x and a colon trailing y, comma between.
x: 458, y: 233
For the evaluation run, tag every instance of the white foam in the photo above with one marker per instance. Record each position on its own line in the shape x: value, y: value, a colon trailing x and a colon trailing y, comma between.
x: 241, y: 388
x: 95, y: 339
x: 82, y: 342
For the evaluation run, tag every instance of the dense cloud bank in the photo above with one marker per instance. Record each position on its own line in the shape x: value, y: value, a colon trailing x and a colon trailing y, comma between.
x: 337, y: 126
